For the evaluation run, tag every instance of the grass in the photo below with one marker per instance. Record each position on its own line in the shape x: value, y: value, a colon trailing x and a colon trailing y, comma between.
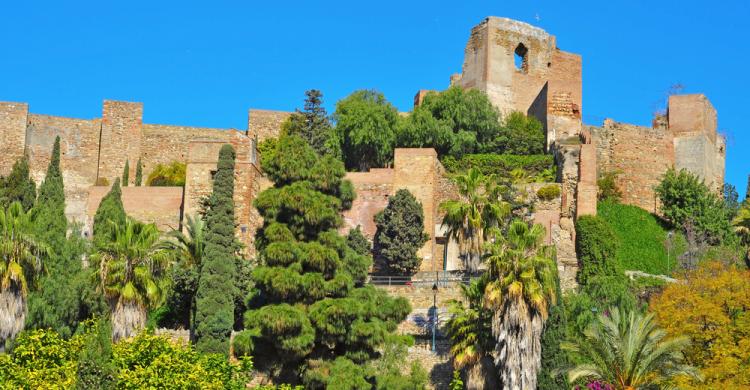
x: 642, y: 237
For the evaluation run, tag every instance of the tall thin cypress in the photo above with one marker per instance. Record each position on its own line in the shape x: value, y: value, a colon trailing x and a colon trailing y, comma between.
x: 49, y: 215
x: 139, y: 174
x: 110, y: 210
x: 126, y: 174
x: 18, y: 186
x: 214, y: 299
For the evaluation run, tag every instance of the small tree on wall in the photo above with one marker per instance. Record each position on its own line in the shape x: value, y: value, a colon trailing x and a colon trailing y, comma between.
x: 400, y: 233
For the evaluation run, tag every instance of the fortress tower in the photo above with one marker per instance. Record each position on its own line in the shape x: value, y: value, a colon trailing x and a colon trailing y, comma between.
x: 521, y: 69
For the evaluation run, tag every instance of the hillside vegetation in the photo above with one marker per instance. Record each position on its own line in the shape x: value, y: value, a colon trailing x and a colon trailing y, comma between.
x: 642, y: 238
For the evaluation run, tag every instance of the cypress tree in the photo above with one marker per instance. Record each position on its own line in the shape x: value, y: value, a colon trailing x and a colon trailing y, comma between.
x: 400, y: 233
x: 139, y: 173
x: 126, y: 173
x: 95, y: 368
x: 18, y: 186
x: 214, y: 317
x: 110, y: 209
x: 49, y: 215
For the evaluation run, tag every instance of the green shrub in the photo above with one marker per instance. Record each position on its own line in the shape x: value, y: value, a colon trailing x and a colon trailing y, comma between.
x: 548, y: 192
x: 608, y: 189
x: 102, y: 182
x: 642, y: 238
x: 501, y: 164
x: 172, y: 175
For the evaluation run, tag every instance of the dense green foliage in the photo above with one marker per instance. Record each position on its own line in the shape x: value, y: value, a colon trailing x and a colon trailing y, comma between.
x: 126, y: 173
x: 686, y: 201
x: 214, y: 317
x: 18, y: 186
x: 358, y: 242
x: 461, y: 121
x: 602, y: 279
x: 470, y: 325
x: 43, y: 360
x: 172, y: 175
x: 312, y: 319
x: 139, y: 173
x: 110, y: 212
x: 643, y: 239
x: 49, y: 211
x: 554, y: 358
x: 366, y: 129
x: 312, y: 125
x: 501, y: 165
x: 400, y: 234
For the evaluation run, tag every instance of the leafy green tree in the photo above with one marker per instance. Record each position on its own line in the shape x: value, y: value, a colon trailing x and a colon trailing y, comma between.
x: 139, y: 173
x: 214, y: 316
x: 130, y: 270
x: 110, y: 213
x: 172, y: 175
x: 468, y: 220
x: 95, y: 367
x: 686, y: 200
x: 21, y: 255
x: 731, y: 199
x: 520, y: 291
x: 358, y: 242
x: 312, y: 125
x: 629, y: 351
x: 554, y: 359
x: 400, y: 233
x: 126, y: 174
x: 519, y: 134
x: 365, y: 126
x: 470, y: 332
x: 313, y: 318
x: 18, y: 186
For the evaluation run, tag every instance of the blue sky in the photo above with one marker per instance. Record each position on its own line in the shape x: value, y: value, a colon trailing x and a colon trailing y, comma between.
x: 206, y: 63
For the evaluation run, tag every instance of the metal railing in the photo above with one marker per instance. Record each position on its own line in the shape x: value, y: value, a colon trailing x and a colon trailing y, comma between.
x: 422, y: 279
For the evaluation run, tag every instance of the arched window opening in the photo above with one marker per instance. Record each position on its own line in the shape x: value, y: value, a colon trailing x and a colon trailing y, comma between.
x: 521, y: 58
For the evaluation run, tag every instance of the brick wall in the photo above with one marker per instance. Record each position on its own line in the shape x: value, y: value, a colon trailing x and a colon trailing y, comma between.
x: 13, y: 118
x: 265, y: 123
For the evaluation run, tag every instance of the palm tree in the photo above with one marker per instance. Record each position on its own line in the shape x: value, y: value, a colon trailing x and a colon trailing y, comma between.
x: 131, y: 274
x: 187, y: 248
x: 629, y: 351
x: 470, y: 332
x: 520, y: 290
x: 468, y: 219
x: 21, y: 256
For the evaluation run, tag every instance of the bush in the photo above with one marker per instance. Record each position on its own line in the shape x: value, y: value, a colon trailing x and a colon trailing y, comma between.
x: 548, y: 192
x: 608, y: 189
x: 400, y: 233
x: 172, y: 175
x: 501, y: 164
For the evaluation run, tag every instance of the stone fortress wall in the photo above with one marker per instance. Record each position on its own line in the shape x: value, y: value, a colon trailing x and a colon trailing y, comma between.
x: 520, y: 68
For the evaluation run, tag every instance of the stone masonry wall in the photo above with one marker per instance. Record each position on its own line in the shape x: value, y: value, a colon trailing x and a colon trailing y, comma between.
x: 639, y: 154
x: 160, y: 205
x: 121, y: 137
x: 13, y: 118
x: 265, y: 124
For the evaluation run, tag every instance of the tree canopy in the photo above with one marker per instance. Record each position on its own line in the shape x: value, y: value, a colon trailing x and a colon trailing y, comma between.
x: 400, y: 233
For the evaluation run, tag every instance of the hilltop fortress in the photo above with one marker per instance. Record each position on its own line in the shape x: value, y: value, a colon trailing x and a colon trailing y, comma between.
x: 519, y: 67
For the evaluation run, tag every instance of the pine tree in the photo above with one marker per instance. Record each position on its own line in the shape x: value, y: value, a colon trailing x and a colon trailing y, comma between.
x: 312, y: 125
x: 215, y: 295
x: 126, y: 173
x: 139, y: 173
x: 18, y: 186
x: 95, y: 368
x: 357, y: 241
x: 110, y: 211
x: 400, y: 233
x: 49, y: 213
x: 313, y: 319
